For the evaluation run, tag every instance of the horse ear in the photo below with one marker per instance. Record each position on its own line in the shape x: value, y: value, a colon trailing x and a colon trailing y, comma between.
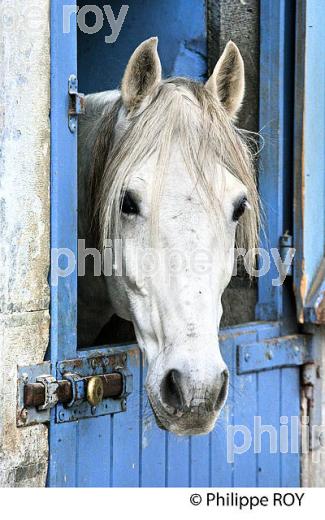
x: 142, y: 74
x: 227, y: 81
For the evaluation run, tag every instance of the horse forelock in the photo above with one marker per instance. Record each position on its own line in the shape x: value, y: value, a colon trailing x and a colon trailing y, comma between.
x: 184, y: 111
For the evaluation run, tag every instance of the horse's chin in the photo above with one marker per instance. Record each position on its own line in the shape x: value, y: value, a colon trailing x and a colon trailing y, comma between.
x: 183, y: 425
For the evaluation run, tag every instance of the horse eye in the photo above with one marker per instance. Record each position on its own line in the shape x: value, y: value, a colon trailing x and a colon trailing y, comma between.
x: 239, y: 209
x: 128, y: 205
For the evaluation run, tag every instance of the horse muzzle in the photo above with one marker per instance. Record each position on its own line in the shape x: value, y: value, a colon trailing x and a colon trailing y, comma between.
x: 186, y: 406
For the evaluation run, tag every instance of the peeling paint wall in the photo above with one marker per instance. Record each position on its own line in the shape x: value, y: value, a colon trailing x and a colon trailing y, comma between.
x: 24, y: 225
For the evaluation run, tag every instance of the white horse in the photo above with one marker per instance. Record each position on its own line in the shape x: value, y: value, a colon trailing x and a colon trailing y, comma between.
x: 168, y: 174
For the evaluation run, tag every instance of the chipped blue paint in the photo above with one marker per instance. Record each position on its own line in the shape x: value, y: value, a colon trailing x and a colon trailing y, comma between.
x: 309, y: 180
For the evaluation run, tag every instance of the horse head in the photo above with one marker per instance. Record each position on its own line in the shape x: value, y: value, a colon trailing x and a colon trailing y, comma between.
x: 174, y: 188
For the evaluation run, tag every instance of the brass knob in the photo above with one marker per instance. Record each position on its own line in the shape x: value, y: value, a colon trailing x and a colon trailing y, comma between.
x: 95, y: 390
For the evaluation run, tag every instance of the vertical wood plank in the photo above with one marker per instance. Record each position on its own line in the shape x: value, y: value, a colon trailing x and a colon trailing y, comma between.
x: 178, y: 461
x: 222, y: 470
x: 200, y: 461
x: 290, y: 410
x: 267, y: 428
x: 93, y: 452
x: 245, y: 409
x: 153, y: 445
x: 126, y: 440
x: 63, y: 456
x: 269, y: 384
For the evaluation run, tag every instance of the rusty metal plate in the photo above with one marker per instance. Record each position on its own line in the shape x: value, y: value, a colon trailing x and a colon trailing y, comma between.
x: 28, y: 374
x: 97, y: 363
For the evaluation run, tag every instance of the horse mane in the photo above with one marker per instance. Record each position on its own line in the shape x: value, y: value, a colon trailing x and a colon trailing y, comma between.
x: 181, y: 109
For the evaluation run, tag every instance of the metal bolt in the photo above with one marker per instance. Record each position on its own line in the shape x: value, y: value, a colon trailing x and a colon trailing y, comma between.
x: 25, y: 378
x: 296, y: 349
x: 61, y: 415
x: 95, y: 390
x: 123, y: 405
x: 93, y: 410
x: 247, y: 356
x: 269, y: 355
x: 93, y: 363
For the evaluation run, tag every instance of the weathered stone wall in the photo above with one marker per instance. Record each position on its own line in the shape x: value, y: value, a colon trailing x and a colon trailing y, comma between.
x: 24, y: 226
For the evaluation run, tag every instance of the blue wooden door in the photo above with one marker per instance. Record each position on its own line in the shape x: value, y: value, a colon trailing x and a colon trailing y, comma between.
x: 127, y: 448
x: 63, y: 227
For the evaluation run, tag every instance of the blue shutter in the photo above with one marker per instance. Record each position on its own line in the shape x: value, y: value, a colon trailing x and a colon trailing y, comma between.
x: 309, y: 181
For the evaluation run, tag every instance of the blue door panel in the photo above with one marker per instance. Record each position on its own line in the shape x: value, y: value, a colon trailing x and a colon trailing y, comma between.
x: 245, y: 391
x: 200, y: 461
x: 128, y: 449
x: 290, y: 390
x: 153, y: 445
x: 93, y: 439
x: 126, y: 433
x: 268, y: 387
x: 62, y: 460
x: 178, y: 448
x: 222, y: 472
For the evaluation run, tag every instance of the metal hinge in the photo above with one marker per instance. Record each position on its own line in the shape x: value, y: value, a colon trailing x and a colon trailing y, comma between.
x: 278, y: 352
x: 83, y: 387
x: 286, y: 252
x: 312, y: 420
x: 76, y: 103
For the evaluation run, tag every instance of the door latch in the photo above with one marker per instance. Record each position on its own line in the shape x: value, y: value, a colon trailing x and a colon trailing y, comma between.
x: 76, y: 103
x: 84, y: 387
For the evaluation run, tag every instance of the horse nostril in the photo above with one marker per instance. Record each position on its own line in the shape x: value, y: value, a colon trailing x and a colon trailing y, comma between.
x: 223, y: 390
x: 171, y: 392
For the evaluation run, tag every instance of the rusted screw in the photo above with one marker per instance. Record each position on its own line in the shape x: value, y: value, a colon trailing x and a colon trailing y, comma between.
x: 24, y: 414
x: 322, y: 439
